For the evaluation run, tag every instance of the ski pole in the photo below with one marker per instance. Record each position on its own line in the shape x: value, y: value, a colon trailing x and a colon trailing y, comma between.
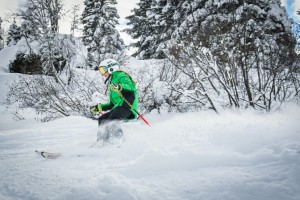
x: 129, y: 104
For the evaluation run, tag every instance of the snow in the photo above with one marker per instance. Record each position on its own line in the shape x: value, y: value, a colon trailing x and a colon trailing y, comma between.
x: 235, y: 155
x: 279, y: 14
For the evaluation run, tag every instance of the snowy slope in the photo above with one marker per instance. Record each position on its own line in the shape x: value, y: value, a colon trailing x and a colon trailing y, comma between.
x: 232, y: 156
x: 184, y: 156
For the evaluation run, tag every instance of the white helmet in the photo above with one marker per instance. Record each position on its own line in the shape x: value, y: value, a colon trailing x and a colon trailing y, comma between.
x: 108, y: 65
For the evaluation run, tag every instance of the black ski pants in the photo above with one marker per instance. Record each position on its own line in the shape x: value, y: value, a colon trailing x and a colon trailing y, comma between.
x: 119, y: 113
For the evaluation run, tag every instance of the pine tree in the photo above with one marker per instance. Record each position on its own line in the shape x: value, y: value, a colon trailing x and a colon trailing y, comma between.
x: 161, y: 19
x: 75, y: 19
x: 297, y: 33
x: 14, y: 34
x: 189, y: 17
x: 240, y: 25
x: 31, y: 20
x: 27, y: 30
x: 153, y: 23
x: 100, y: 35
x: 141, y: 29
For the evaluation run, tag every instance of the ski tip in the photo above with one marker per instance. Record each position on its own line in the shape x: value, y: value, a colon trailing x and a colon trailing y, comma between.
x: 48, y: 155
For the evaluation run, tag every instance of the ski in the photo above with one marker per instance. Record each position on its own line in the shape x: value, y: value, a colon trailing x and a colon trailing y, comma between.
x: 48, y: 155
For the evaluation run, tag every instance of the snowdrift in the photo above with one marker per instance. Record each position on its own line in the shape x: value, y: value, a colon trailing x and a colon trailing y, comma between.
x: 182, y: 156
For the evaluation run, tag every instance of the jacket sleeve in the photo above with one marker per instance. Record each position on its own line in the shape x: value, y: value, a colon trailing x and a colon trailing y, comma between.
x: 107, y: 106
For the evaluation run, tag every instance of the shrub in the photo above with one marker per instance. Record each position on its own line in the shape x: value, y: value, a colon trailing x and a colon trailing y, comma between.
x: 26, y: 64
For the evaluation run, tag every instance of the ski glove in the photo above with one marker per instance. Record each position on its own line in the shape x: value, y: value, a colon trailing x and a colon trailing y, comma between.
x: 116, y: 87
x: 96, y: 109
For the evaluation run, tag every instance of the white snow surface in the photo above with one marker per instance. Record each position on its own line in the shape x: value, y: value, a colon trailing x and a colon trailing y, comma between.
x: 241, y: 155
x: 236, y: 155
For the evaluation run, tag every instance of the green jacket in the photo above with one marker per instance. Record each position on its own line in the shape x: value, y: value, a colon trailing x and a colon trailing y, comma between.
x: 122, y: 78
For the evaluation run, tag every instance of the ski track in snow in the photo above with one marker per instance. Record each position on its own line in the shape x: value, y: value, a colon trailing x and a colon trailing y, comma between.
x: 232, y: 156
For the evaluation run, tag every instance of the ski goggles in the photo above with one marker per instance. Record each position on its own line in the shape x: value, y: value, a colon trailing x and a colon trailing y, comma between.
x: 102, y: 70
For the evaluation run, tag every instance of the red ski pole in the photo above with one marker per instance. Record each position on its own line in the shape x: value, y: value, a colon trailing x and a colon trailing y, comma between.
x: 129, y: 104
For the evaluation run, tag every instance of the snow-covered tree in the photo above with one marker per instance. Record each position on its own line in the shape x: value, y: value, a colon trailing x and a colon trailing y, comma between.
x: 255, y: 35
x: 141, y: 28
x: 14, y: 34
x: 247, y: 47
x: 75, y: 19
x: 158, y: 24
x: 163, y: 17
x: 152, y: 24
x: 41, y: 14
x: 1, y: 35
x: 54, y: 8
x: 297, y: 33
x: 37, y: 16
x: 28, y: 30
x: 40, y: 23
x: 189, y: 17
x: 100, y: 35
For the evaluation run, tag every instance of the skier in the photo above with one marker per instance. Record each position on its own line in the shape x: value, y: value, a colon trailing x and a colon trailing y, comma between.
x: 123, y: 99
